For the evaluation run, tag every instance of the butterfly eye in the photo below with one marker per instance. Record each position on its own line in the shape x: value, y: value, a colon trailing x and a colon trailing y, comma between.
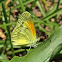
x: 22, y: 22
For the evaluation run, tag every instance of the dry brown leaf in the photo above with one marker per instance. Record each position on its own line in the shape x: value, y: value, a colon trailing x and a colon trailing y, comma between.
x: 2, y: 35
x: 7, y: 2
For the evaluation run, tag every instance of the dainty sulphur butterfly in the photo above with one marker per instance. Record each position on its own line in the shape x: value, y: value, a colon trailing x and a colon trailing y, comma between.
x: 24, y: 33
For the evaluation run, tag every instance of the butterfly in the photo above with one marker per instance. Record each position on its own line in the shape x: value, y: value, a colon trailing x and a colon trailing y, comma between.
x: 24, y: 33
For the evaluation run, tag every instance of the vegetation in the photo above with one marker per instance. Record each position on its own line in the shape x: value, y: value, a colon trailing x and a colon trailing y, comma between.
x: 47, y: 18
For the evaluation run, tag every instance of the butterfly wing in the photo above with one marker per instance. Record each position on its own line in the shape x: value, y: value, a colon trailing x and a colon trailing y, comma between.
x: 24, y: 32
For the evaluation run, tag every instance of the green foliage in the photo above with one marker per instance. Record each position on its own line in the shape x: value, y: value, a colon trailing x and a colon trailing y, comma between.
x: 3, y: 58
x: 47, y: 50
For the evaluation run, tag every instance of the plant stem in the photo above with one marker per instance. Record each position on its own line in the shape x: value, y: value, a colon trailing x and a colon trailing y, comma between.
x: 8, y: 29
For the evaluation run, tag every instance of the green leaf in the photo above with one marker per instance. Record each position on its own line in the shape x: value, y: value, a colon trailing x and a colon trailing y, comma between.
x: 16, y: 59
x: 60, y: 1
x: 3, y: 58
x: 44, y: 51
x: 52, y: 10
x: 56, y: 51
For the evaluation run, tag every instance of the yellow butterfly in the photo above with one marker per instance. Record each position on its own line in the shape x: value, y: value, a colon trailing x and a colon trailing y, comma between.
x: 24, y: 33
